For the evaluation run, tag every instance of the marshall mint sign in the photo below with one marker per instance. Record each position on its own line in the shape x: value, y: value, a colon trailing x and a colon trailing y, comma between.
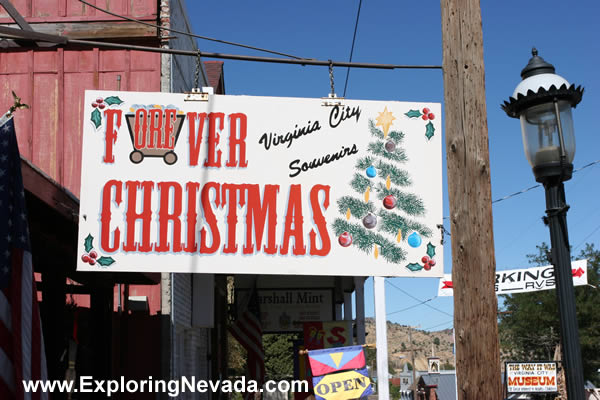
x: 239, y: 184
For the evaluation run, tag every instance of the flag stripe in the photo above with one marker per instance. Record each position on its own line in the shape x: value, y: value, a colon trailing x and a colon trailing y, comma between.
x: 6, y: 372
x: 22, y: 353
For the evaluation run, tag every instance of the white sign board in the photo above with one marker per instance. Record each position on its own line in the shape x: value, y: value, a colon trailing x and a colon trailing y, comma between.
x: 285, y: 310
x: 531, y: 377
x: 524, y: 280
x: 260, y: 185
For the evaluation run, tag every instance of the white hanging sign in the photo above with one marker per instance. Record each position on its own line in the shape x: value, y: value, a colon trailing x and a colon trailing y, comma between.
x: 260, y: 185
x: 524, y: 280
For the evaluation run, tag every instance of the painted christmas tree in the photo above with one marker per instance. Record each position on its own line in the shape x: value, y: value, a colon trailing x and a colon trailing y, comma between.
x: 380, y: 219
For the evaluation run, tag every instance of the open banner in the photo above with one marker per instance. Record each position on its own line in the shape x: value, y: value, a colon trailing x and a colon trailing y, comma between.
x: 325, y: 361
x: 343, y: 385
x: 261, y: 185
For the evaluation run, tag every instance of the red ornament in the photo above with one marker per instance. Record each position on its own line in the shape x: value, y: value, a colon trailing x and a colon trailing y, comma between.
x: 389, y: 202
x: 100, y: 100
x: 92, y: 261
x: 427, y: 267
x: 85, y: 258
x: 101, y: 106
x: 93, y: 254
x: 430, y: 116
x: 425, y: 260
x: 345, y: 239
x: 94, y: 105
x: 425, y: 117
x: 432, y: 262
x: 426, y: 110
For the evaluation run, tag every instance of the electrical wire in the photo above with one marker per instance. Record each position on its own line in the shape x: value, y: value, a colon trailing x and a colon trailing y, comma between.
x: 188, y: 33
x: 443, y: 323
x: 536, y: 186
x: 419, y: 300
x: 586, y: 238
x: 413, y: 306
x: 352, y: 48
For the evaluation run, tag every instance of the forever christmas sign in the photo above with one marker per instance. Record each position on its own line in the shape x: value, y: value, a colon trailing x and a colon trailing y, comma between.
x: 261, y: 185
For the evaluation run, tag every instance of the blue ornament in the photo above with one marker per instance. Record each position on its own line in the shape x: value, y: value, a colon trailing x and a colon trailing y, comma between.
x: 414, y: 240
x: 371, y: 172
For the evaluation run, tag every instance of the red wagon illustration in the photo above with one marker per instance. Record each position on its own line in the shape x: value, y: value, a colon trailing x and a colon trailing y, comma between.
x: 154, y: 133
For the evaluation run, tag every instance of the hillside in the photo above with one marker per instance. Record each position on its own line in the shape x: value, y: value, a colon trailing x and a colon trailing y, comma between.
x: 423, y: 342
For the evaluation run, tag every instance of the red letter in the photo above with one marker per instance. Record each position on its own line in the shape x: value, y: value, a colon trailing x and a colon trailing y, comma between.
x: 105, y: 216
x: 140, y: 130
x: 111, y: 134
x: 191, y: 246
x: 256, y: 215
x: 164, y: 217
x: 214, y: 155
x: 231, y: 201
x: 210, y: 218
x: 320, y: 221
x: 132, y: 216
x: 155, y: 129
x: 240, y: 141
x: 168, y: 137
x: 195, y: 136
x: 294, y: 216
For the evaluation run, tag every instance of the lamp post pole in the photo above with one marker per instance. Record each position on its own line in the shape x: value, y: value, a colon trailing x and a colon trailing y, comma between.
x: 543, y: 102
x: 556, y: 210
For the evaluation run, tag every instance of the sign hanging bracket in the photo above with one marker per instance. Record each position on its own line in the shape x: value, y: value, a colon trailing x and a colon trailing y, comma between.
x: 331, y: 100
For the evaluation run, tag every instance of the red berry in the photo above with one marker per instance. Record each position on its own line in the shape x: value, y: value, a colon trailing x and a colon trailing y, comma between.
x: 426, y: 111
x: 101, y: 106
x: 432, y: 262
x: 426, y: 267
x: 85, y: 258
x: 425, y: 259
x: 431, y: 116
x: 93, y: 254
x: 92, y: 261
x: 345, y: 239
x: 94, y: 105
x: 99, y: 100
x: 425, y: 117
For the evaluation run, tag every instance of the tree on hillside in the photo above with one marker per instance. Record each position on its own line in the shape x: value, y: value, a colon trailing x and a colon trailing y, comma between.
x: 530, y: 328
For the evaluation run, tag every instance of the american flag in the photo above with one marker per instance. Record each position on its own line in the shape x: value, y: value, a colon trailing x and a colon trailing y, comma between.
x: 247, y: 330
x: 22, y: 355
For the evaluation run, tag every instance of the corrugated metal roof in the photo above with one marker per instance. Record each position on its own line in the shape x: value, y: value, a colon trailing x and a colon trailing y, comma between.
x: 446, y: 384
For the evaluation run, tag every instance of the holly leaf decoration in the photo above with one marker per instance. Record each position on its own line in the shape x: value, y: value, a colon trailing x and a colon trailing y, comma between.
x: 96, y: 118
x: 88, y: 243
x: 105, y: 261
x: 430, y: 250
x: 113, y: 100
x: 429, y: 130
x: 413, y: 114
x: 414, y: 267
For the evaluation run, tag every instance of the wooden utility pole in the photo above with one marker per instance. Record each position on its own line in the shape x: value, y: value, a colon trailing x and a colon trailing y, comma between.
x: 473, y: 263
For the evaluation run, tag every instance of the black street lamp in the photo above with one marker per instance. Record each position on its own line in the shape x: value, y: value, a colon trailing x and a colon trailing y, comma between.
x: 543, y: 102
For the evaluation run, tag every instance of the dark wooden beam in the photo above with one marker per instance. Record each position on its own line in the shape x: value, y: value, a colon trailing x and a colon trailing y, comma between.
x: 50, y: 192
x: 12, y: 11
x: 93, y: 30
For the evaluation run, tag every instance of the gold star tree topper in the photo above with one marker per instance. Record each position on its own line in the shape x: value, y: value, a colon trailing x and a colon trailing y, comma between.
x: 384, y: 119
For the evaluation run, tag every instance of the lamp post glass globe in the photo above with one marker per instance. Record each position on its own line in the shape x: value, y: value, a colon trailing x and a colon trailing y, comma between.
x: 543, y: 102
x: 541, y: 140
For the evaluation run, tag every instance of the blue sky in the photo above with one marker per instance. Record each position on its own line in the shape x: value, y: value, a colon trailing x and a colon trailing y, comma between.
x: 402, y: 32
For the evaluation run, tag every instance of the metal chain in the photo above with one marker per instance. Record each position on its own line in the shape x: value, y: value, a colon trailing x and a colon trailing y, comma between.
x: 331, y: 78
x: 197, y: 73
